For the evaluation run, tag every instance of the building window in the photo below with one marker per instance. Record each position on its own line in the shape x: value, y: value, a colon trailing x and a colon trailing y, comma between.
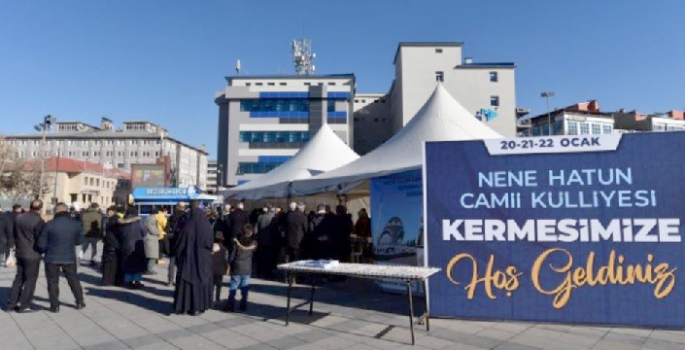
x: 274, y: 136
x: 493, y: 77
x: 259, y: 84
x: 331, y: 83
x: 120, y: 165
x: 440, y: 76
x: 573, y: 128
x: 134, y: 154
x: 584, y: 128
x: 494, y: 101
x: 307, y: 84
x: 84, y: 143
x: 248, y: 84
x: 92, y: 181
x: 438, y: 50
x: 84, y: 154
x: 282, y: 83
x: 607, y: 129
x: 658, y: 127
x: 85, y: 180
x: 278, y: 105
x: 271, y: 84
x: 596, y: 129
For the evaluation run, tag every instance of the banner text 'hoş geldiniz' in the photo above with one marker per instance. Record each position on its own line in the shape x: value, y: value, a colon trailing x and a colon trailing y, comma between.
x: 557, y: 235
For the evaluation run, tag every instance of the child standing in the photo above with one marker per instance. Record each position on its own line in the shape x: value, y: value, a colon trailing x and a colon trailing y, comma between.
x: 219, y: 264
x: 241, y: 266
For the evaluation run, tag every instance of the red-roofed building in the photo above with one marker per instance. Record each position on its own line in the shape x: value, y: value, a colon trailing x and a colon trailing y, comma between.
x: 81, y: 183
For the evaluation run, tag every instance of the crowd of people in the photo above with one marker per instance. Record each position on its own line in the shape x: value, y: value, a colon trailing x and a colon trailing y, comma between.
x: 202, y: 246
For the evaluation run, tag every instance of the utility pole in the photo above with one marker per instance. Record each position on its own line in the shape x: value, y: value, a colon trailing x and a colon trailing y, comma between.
x: 48, y: 120
x: 547, y: 95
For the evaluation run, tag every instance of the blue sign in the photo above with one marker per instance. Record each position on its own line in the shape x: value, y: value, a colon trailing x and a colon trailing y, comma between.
x: 486, y: 115
x: 165, y: 193
x: 397, y: 224
x: 571, y: 229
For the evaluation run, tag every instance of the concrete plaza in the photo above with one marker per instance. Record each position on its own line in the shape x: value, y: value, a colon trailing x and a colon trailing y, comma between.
x: 347, y: 315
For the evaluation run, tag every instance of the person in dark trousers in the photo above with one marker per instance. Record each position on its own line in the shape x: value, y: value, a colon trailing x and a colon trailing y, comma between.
x: 133, y: 262
x: 268, y: 243
x: 223, y: 223
x: 319, y: 239
x: 193, y: 244
x: 342, y: 235
x: 172, y: 229
x: 91, y: 220
x: 111, y: 273
x: 295, y: 227
x: 6, y: 230
x: 241, y: 267
x: 58, y: 241
x: 219, y: 264
x: 27, y: 229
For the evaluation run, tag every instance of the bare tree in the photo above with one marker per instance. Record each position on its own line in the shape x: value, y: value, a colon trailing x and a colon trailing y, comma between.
x: 20, y: 178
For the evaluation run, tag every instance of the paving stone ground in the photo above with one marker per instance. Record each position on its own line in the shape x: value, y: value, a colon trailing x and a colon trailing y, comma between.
x: 347, y: 315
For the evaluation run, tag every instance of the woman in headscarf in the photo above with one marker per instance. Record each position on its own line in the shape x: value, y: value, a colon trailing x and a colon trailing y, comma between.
x: 133, y: 262
x: 111, y: 273
x: 193, y: 251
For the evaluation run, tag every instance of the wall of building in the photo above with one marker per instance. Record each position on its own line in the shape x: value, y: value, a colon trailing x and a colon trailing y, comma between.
x: 260, y: 138
x: 83, y: 188
x: 373, y: 122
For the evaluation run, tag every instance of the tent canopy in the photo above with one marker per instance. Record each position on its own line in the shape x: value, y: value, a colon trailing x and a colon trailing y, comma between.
x: 324, y: 152
x: 441, y: 118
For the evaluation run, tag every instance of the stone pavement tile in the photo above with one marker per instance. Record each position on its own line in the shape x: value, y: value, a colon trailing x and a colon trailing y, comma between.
x: 143, y: 341
x: 195, y: 343
x: 511, y: 327
x: 257, y: 332
x: 433, y: 343
x: 588, y: 332
x: 230, y: 340
x: 614, y: 345
x: 309, y: 347
x: 336, y: 343
x: 56, y: 343
x: 497, y: 334
x: 312, y: 335
x: 479, y: 341
x: 156, y: 324
x: 258, y: 347
x: 234, y: 322
x: 90, y: 336
x: 638, y: 332
x: 112, y: 345
x: 382, y: 344
x: 672, y: 336
x: 175, y: 334
x: 625, y: 338
x: 662, y: 345
x: 514, y: 346
x: 204, y: 328
x: 465, y: 327
x: 447, y: 334
x: 554, y: 327
x: 286, y: 343
x: 463, y: 347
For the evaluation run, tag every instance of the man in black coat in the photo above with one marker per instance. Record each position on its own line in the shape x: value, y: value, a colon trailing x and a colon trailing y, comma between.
x: 58, y: 241
x: 237, y: 219
x: 6, y: 231
x: 172, y: 230
x: 27, y: 229
x: 295, y: 227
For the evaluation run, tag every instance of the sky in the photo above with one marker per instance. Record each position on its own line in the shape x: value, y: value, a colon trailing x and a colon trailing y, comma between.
x: 163, y: 61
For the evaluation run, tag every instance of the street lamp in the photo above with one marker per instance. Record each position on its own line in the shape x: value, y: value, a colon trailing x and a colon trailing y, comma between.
x: 547, y: 95
x: 43, y: 127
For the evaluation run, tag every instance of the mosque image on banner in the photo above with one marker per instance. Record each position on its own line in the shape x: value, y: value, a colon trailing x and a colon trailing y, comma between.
x: 397, y: 224
x: 148, y: 175
x: 571, y: 229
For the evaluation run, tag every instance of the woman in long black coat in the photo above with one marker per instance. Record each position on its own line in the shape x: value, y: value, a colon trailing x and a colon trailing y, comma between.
x: 111, y: 273
x: 193, y: 251
x: 133, y: 261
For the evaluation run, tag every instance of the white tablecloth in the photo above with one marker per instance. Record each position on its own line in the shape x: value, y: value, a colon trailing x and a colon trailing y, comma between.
x: 400, y: 272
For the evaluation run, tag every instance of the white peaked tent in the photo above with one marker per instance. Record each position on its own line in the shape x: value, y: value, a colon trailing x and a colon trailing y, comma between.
x: 441, y: 118
x: 324, y: 152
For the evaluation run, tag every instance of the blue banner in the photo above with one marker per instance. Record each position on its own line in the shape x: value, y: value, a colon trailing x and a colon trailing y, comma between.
x: 165, y: 193
x: 583, y: 229
x: 397, y: 223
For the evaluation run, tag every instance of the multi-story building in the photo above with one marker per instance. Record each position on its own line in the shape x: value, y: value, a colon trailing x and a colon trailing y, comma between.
x: 487, y: 90
x: 80, y: 183
x: 583, y: 118
x: 373, y: 122
x: 265, y: 120
x: 669, y: 121
x: 213, y: 177
x: 138, y: 142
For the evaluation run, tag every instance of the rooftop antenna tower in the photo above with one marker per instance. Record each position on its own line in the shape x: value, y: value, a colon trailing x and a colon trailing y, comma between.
x: 237, y: 66
x: 303, y: 57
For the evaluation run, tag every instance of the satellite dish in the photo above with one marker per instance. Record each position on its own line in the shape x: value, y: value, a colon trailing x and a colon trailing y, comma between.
x: 38, y: 128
